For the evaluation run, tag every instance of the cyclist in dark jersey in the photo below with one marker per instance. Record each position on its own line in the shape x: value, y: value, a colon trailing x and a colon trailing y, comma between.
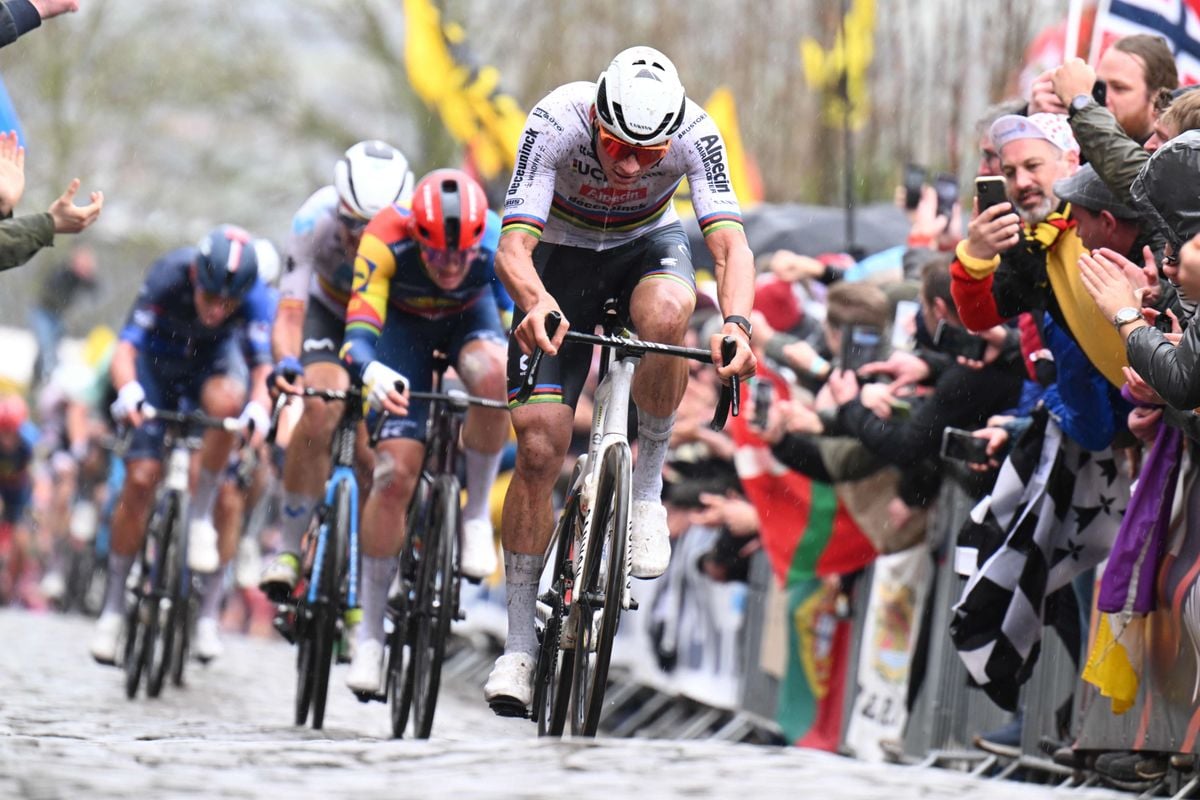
x: 182, y: 348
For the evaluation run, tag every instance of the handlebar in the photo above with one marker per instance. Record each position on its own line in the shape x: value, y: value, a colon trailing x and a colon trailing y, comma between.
x: 353, y: 394
x: 729, y: 399
x: 459, y: 400
x: 191, y: 418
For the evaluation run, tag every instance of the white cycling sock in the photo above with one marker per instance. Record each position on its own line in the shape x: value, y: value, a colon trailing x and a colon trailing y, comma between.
x: 522, y: 571
x: 212, y: 585
x: 654, y: 433
x: 377, y: 574
x: 204, y: 497
x: 295, y: 516
x: 118, y: 573
x: 482, y: 469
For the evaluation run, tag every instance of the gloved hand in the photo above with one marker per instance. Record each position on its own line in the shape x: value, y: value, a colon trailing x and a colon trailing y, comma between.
x: 385, y: 388
x: 255, y: 419
x: 285, y: 374
x: 129, y: 397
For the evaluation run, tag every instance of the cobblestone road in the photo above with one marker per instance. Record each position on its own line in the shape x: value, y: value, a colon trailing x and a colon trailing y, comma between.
x: 67, y: 731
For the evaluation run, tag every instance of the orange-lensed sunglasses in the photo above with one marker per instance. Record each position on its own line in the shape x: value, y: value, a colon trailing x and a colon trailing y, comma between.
x: 646, y: 155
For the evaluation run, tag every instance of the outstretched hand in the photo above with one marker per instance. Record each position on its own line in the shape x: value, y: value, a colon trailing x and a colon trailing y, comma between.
x: 52, y: 8
x: 70, y: 218
x: 12, y: 172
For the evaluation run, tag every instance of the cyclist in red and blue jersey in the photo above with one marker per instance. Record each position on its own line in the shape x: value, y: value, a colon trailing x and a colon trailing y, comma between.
x: 589, y: 217
x: 424, y: 281
x: 197, y: 336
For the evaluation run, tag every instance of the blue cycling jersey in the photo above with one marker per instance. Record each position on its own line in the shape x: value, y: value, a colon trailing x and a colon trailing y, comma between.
x: 164, y: 326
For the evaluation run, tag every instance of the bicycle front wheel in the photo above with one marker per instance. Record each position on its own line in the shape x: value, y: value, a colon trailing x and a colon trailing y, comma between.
x: 435, y: 600
x: 166, y: 600
x: 328, y: 610
x: 552, y: 677
x: 598, y: 589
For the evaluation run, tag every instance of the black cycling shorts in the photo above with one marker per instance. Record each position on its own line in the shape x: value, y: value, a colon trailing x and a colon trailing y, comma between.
x: 581, y: 280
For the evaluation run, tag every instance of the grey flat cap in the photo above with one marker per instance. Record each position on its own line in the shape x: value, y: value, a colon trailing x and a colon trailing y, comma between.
x: 1085, y: 189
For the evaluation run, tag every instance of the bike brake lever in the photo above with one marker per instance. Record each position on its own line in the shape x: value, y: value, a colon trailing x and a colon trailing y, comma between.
x: 529, y: 380
x: 730, y: 397
x: 280, y: 403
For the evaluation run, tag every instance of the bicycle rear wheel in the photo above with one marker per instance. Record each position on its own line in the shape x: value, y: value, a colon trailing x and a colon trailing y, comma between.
x: 140, y: 612
x: 435, y: 599
x: 400, y: 674
x: 305, y: 674
x: 327, y: 613
x: 552, y: 677
x: 598, y: 591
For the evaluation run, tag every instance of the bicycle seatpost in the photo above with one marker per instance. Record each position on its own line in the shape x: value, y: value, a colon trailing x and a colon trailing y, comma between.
x: 529, y: 382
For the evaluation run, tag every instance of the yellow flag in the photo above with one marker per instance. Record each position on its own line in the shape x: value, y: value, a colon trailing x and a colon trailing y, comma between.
x: 468, y: 99
x: 1114, y: 664
x: 846, y: 62
x: 743, y: 174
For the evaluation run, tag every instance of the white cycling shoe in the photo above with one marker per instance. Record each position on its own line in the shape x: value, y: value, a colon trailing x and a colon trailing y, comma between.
x: 106, y: 637
x: 478, y: 557
x: 279, y: 578
x: 202, y: 546
x: 649, y: 539
x: 366, y: 670
x: 208, y: 640
x: 509, y: 688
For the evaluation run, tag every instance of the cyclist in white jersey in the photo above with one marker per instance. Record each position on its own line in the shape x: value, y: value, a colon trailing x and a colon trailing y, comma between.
x: 310, y: 323
x: 588, y: 216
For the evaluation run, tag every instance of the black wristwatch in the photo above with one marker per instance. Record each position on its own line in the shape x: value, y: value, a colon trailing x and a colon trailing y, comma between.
x: 741, y: 322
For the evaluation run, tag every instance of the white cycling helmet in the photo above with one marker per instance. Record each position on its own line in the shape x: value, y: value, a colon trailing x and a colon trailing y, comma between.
x: 370, y: 177
x: 639, y: 98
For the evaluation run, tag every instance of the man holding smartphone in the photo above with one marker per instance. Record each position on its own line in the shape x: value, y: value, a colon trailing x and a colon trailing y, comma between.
x: 1025, y: 261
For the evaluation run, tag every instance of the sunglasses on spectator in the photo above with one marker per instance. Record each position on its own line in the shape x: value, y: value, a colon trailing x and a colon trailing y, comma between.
x: 646, y: 155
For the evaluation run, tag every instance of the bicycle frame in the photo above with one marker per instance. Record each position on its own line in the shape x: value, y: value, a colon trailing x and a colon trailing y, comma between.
x: 610, y: 422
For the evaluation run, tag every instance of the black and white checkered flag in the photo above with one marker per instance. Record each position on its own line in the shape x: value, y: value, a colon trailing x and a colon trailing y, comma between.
x: 1053, y: 514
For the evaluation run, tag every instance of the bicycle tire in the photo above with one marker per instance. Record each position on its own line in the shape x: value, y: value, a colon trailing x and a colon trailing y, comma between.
x: 132, y: 660
x: 435, y: 600
x: 165, y: 605
x: 401, y: 679
x: 328, y: 610
x: 553, y: 674
x: 610, y: 527
x: 305, y: 675
x: 183, y: 640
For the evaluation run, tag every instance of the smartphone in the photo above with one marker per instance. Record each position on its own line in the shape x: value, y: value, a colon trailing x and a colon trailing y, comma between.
x: 914, y: 180
x: 947, y: 193
x: 764, y: 393
x: 861, y: 344
x: 957, y: 342
x: 1100, y: 92
x: 990, y: 190
x: 960, y: 445
x: 904, y: 325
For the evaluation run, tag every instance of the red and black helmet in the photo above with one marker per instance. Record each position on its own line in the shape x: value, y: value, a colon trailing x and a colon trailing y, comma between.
x: 13, y: 413
x: 449, y: 211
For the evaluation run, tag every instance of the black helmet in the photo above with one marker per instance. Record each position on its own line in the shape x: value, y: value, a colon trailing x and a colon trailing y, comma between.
x: 227, y: 263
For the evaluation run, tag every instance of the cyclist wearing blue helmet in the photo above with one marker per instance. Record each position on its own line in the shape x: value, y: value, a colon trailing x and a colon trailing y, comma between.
x: 197, y: 335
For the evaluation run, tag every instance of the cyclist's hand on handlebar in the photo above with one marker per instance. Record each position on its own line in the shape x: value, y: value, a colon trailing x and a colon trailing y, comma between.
x: 531, y: 332
x: 743, y: 363
x: 256, y: 420
x: 386, y: 389
x: 127, y: 406
x: 287, y: 376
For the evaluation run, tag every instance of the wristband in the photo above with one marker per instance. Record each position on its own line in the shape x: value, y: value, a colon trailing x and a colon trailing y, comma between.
x: 819, y: 367
x: 741, y: 322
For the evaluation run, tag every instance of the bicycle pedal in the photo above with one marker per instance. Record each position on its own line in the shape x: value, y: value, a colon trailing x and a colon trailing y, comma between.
x: 633, y: 604
x: 472, y: 580
x: 367, y: 697
x: 508, y: 707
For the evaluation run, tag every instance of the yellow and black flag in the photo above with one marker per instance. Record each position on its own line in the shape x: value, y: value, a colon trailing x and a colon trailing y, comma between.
x: 467, y: 96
